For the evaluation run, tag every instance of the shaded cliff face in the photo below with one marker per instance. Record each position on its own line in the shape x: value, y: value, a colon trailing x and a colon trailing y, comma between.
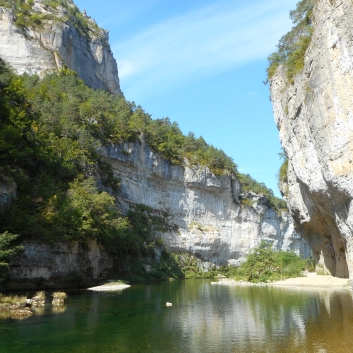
x: 8, y: 190
x: 203, y: 211
x: 58, y: 43
x: 60, y: 265
x: 315, y: 118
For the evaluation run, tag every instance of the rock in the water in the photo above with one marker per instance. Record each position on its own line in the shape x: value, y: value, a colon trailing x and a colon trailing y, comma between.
x: 21, y: 313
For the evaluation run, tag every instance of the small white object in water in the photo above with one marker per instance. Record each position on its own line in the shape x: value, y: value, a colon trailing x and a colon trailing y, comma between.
x: 168, y: 304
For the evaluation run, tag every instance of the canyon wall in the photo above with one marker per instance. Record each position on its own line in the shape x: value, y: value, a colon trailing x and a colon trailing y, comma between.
x: 203, y: 216
x: 58, y: 43
x: 204, y: 212
x: 314, y: 115
x: 63, y: 264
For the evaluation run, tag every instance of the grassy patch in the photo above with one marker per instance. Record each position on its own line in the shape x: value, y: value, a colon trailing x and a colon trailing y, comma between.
x: 26, y: 18
x: 59, y: 296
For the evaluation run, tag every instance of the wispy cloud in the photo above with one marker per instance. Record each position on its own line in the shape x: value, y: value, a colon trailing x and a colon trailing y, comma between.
x: 117, y: 17
x: 204, y: 42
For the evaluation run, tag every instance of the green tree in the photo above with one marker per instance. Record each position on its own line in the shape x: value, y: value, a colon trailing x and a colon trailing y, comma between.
x: 292, y: 46
x: 84, y: 213
x: 6, y: 251
x: 265, y: 264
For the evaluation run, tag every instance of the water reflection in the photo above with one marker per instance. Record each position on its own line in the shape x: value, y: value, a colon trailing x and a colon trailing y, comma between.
x: 203, y: 318
x: 5, y: 315
x: 58, y: 309
x: 39, y: 310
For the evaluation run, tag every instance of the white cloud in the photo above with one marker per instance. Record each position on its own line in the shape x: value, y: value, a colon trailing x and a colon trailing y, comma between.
x: 126, y: 68
x: 131, y: 11
x: 210, y: 40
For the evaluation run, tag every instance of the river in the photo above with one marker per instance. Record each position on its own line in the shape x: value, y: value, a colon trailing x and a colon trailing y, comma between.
x: 204, y: 318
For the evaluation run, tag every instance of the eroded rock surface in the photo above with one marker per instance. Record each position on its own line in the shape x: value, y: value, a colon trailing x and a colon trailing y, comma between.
x: 315, y: 118
x: 203, y: 211
x: 59, y: 264
x: 56, y: 44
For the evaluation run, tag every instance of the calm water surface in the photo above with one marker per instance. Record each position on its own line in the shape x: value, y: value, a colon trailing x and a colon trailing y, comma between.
x: 203, y: 319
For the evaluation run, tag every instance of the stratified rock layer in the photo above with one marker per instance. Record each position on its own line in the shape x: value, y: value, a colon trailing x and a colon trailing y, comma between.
x: 315, y: 118
x: 59, y: 265
x: 203, y: 211
x: 57, y: 44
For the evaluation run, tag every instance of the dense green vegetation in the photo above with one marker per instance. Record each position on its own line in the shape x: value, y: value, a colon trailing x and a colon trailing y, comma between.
x: 6, y: 250
x: 293, y: 45
x: 49, y: 133
x: 25, y: 18
x: 266, y: 265
x: 250, y: 184
x: 50, y: 130
x: 282, y: 176
x: 55, y: 198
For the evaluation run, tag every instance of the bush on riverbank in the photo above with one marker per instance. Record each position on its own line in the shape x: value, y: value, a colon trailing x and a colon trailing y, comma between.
x: 266, y: 265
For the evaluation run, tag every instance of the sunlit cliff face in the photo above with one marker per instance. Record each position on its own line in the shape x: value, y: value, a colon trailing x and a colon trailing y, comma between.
x: 314, y: 118
x: 203, y: 211
x: 57, y: 43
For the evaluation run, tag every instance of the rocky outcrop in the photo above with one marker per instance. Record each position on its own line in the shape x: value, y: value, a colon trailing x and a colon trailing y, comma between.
x: 315, y: 118
x: 58, y: 265
x: 204, y: 212
x: 57, y: 43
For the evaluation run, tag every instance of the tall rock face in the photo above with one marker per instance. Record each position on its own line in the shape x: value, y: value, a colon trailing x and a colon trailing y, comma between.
x: 60, y: 265
x: 315, y: 118
x: 58, y: 42
x: 204, y: 213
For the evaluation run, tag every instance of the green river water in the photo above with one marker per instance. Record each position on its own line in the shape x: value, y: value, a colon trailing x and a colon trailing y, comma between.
x: 204, y: 318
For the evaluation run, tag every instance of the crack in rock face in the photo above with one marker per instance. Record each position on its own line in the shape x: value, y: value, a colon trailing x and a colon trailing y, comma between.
x: 314, y: 116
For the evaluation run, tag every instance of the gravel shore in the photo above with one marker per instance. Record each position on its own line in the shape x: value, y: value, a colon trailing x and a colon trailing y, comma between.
x: 309, y: 281
x: 109, y: 287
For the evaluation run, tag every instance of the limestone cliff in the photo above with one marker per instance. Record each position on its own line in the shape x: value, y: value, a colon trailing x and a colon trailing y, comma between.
x: 204, y: 211
x: 314, y: 115
x: 58, y: 41
x: 203, y: 217
x: 58, y: 265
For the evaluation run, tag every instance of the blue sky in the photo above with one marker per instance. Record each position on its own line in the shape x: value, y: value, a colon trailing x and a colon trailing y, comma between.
x: 202, y: 63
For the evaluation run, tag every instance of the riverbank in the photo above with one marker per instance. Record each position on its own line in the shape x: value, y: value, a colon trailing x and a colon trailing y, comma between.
x: 110, y: 287
x: 317, y: 281
x: 309, y: 281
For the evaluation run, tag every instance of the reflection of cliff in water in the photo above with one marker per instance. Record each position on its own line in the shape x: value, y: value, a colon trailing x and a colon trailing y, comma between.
x: 265, y: 319
x: 204, y: 318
